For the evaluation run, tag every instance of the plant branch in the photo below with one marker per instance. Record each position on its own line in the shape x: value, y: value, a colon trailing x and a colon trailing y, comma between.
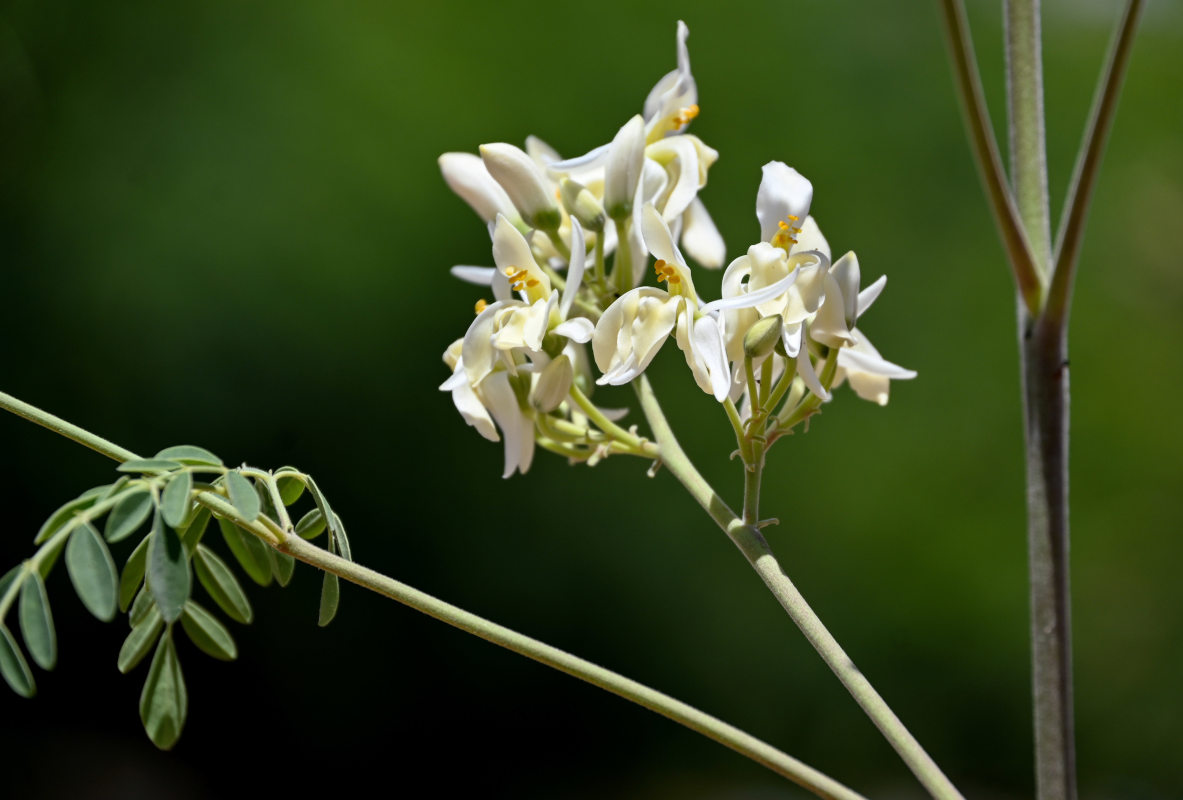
x: 756, y: 550
x: 711, y: 727
x: 1028, y: 278
x: 1088, y: 161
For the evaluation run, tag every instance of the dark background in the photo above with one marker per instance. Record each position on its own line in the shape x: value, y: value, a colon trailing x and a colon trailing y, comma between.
x: 223, y: 224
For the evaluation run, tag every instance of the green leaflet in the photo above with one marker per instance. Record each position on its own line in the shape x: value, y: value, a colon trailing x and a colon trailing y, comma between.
x: 207, y: 633
x: 330, y: 598
x: 242, y: 495
x: 311, y: 524
x: 37, y: 622
x: 290, y: 486
x: 92, y: 571
x: 164, y: 703
x: 133, y: 573
x: 168, y: 576
x: 127, y: 517
x: 283, y: 565
x: 13, y: 666
x: 140, y: 607
x: 140, y: 640
x: 9, y: 579
x: 188, y: 454
x: 249, y: 551
x: 221, y: 585
x: 64, y: 515
x: 174, y: 501
x: 152, y: 465
x: 194, y: 529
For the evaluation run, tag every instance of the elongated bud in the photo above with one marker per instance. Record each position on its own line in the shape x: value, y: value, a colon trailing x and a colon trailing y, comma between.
x: 762, y: 337
x: 553, y: 384
x: 524, y: 182
x: 466, y: 175
x: 582, y: 204
x: 626, y: 157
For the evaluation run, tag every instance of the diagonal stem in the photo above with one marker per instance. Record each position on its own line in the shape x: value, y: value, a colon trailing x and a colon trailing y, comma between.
x: 1019, y: 252
x: 755, y: 549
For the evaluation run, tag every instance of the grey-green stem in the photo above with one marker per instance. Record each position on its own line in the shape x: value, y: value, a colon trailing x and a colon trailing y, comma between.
x: 713, y: 728
x: 756, y: 550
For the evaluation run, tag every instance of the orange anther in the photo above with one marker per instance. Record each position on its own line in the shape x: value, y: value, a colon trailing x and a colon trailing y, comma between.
x: 481, y: 305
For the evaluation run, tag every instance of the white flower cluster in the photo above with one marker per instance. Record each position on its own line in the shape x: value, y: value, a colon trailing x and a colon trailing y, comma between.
x: 522, y: 367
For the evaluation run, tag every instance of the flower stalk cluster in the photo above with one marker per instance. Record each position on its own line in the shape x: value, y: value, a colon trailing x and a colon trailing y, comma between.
x: 572, y: 243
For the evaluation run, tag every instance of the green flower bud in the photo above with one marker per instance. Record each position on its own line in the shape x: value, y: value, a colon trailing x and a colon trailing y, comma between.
x: 763, y: 336
x: 582, y: 204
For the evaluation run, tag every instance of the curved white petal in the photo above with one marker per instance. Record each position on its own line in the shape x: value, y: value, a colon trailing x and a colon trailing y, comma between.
x: 810, y: 238
x: 591, y: 160
x: 467, y: 176
x: 631, y: 331
x: 807, y: 373
x: 622, y: 172
x: 784, y: 193
x: 511, y: 253
x: 523, y: 181
x: 516, y: 428
x: 829, y: 324
x: 749, y: 299
x: 676, y: 90
x: 869, y: 295
x: 543, y: 154
x: 701, y: 238
x: 680, y: 157
x: 577, y: 329
x: 480, y: 276
x: 575, y: 268
x: 846, y: 272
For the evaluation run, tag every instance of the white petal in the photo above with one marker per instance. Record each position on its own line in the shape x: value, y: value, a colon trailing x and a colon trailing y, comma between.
x: 481, y: 276
x: 591, y: 160
x: 807, y: 373
x: 577, y: 329
x: 853, y: 360
x: 846, y: 272
x: 622, y: 173
x: 679, y: 155
x: 658, y: 238
x: 467, y: 176
x: 700, y: 237
x: 574, y: 269
x: 473, y: 411
x: 784, y: 192
x: 631, y: 331
x: 511, y: 252
x: 829, y: 324
x: 707, y: 341
x: 543, y: 154
x: 869, y: 295
x: 749, y: 299
x: 519, y: 440
x: 810, y: 238
x: 523, y: 181
x: 676, y: 90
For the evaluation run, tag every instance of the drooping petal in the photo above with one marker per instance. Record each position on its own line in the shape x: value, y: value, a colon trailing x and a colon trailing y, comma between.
x: 869, y: 295
x: 702, y: 342
x: 784, y: 194
x: 516, y: 428
x: 577, y: 329
x: 809, y: 375
x: 467, y: 176
x: 480, y: 276
x: 701, y: 238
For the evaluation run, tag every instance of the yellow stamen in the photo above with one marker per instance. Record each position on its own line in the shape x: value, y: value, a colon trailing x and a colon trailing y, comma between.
x: 481, y: 305
x: 532, y: 282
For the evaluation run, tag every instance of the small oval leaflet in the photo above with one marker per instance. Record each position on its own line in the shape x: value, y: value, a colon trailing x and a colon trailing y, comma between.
x: 249, y: 551
x: 311, y: 524
x: 221, y: 585
x: 194, y: 529
x: 188, y: 454
x: 140, y: 607
x: 133, y: 574
x: 174, y: 500
x: 164, y: 703
x: 37, y: 622
x: 92, y: 571
x: 291, y: 487
x: 65, y: 514
x: 13, y: 666
x: 242, y: 495
x: 283, y: 565
x: 140, y: 641
x: 168, y: 572
x: 127, y: 517
x: 207, y: 633
x: 330, y: 598
x: 149, y: 465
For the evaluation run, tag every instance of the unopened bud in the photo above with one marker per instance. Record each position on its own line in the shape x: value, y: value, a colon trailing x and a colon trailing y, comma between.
x: 582, y: 204
x: 524, y: 183
x: 762, y: 337
x: 553, y: 384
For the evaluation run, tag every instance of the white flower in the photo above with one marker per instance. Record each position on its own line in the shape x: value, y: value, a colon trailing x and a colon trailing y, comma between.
x: 467, y: 176
x: 522, y: 179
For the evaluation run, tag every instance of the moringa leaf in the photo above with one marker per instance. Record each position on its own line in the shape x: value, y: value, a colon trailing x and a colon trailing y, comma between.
x: 13, y: 666
x: 168, y: 576
x: 92, y: 571
x: 174, y: 501
x: 133, y: 574
x: 10, y: 578
x: 164, y: 703
x: 290, y: 485
x: 140, y: 640
x: 311, y: 524
x: 249, y: 551
x: 330, y: 598
x: 152, y: 465
x: 283, y: 565
x: 242, y: 495
x: 221, y: 585
x: 65, y: 514
x: 194, y: 529
x: 37, y: 622
x: 207, y: 633
x: 127, y: 516
x: 188, y: 454
x: 140, y: 607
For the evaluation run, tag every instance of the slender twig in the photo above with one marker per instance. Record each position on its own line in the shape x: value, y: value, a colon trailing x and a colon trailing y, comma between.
x: 1088, y: 161
x: 758, y: 553
x: 713, y: 728
x: 981, y: 137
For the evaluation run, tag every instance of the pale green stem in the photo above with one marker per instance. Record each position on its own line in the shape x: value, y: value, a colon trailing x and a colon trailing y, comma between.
x: 1019, y: 252
x: 713, y: 728
x: 600, y: 278
x: 622, y: 266
x: 609, y: 427
x: 1088, y: 162
x: 755, y: 548
x: 741, y: 438
x: 1044, y: 357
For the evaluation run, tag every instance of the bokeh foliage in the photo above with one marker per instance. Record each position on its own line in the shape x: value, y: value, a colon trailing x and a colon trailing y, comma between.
x: 223, y: 223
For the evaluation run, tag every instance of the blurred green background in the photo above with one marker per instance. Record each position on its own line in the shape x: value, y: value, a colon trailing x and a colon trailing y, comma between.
x: 223, y: 224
